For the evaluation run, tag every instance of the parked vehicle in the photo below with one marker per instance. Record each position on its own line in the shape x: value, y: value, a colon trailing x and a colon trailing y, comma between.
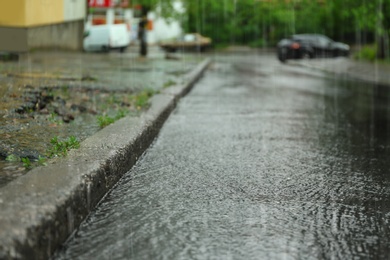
x: 310, y: 46
x: 106, y: 37
x: 107, y: 31
x: 190, y: 41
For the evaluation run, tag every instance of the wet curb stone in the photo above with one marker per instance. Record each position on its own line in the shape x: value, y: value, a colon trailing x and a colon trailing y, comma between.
x: 41, y: 209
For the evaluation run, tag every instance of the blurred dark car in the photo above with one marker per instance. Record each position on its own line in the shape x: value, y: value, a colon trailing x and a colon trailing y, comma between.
x: 190, y: 41
x: 310, y: 46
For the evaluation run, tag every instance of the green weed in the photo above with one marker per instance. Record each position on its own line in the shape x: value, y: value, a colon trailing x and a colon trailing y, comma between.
x: 142, y: 98
x: 12, y: 158
x: 113, y: 99
x: 53, y: 118
x: 27, y: 163
x: 72, y: 143
x: 61, y: 148
x: 105, y: 120
x: 169, y: 83
x: 121, y: 113
x: 41, y: 161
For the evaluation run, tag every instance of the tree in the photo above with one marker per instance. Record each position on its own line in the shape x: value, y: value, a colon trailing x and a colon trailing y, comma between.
x: 264, y: 22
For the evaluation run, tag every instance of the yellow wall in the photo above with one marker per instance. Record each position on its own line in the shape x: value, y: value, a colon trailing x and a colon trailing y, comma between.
x: 12, y: 13
x: 39, y: 12
x: 25, y: 13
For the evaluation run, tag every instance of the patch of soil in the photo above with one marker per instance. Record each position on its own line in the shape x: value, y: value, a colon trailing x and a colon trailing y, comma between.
x: 39, y: 114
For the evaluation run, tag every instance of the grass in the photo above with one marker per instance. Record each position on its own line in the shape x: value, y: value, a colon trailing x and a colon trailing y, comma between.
x: 138, y: 101
x: 53, y: 118
x: 12, y: 158
x: 61, y: 148
x: 141, y: 99
x: 58, y: 149
x: 41, y: 161
x: 169, y: 83
x: 26, y: 162
x: 106, y: 120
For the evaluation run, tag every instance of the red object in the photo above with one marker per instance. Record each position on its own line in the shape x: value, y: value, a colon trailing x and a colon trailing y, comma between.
x: 101, y: 3
x: 149, y: 26
x: 295, y: 46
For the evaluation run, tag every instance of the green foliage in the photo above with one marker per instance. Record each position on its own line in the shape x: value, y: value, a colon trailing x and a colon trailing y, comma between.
x: 61, y: 148
x: 138, y: 101
x: 12, y: 158
x: 165, y: 7
x: 26, y: 163
x: 263, y: 23
x: 16, y: 159
x: 105, y: 120
x: 169, y: 83
x: 72, y: 143
x: 53, y: 118
x: 121, y: 113
x: 141, y: 99
x: 41, y: 161
x: 367, y: 53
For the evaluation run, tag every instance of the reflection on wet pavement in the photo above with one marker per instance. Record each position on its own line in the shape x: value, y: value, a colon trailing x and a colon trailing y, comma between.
x: 269, y: 162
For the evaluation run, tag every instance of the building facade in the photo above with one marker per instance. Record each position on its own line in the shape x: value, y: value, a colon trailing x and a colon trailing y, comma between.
x: 34, y: 24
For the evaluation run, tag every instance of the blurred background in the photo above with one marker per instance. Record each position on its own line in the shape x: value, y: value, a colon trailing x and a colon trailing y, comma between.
x: 64, y: 24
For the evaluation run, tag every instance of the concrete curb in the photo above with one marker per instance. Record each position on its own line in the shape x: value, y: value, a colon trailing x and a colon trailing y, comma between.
x: 41, y: 209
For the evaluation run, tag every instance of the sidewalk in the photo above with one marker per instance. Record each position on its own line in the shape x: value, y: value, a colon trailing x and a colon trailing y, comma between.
x: 376, y: 72
x: 56, y: 93
x: 41, y: 209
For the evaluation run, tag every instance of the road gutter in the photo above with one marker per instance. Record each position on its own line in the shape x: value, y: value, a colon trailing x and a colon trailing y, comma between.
x: 40, y: 210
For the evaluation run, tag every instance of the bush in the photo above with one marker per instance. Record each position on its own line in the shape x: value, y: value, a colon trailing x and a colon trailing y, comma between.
x: 367, y: 53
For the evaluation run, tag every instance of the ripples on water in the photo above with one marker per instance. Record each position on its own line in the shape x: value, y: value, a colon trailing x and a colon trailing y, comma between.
x: 269, y: 174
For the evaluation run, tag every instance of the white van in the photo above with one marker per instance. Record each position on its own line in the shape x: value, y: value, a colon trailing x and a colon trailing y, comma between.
x: 104, y: 33
x: 106, y: 37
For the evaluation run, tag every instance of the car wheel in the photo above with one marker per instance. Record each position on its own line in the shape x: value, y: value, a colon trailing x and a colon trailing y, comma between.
x: 282, y: 55
x: 306, y: 56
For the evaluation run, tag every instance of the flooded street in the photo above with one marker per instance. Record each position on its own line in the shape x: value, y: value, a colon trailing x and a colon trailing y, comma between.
x: 262, y: 160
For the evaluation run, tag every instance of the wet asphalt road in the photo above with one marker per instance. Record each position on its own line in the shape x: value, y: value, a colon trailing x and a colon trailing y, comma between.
x: 260, y: 161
